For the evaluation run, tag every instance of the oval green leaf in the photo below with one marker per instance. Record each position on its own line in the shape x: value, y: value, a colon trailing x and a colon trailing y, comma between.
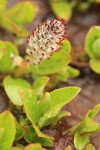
x: 7, y: 52
x: 61, y: 8
x: 7, y: 130
x: 33, y: 147
x: 63, y: 95
x: 12, y: 87
x: 23, y: 12
x: 53, y: 65
x: 90, y: 147
x: 95, y: 65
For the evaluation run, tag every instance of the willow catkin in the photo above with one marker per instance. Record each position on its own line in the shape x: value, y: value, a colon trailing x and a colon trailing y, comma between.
x: 45, y: 40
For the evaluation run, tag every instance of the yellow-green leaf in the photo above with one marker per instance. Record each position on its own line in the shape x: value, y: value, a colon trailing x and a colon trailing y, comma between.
x: 12, y: 87
x: 20, y: 14
x: 68, y: 148
x: 33, y: 147
x: 3, y: 4
x: 61, y: 8
x: 40, y: 84
x: 23, y: 12
x: 7, y: 130
x: 7, y: 52
x: 95, y: 65
x: 54, y: 64
x: 90, y: 147
x: 16, y: 148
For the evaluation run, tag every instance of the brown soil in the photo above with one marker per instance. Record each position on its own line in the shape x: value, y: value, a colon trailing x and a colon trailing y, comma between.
x: 3, y: 100
x: 88, y: 81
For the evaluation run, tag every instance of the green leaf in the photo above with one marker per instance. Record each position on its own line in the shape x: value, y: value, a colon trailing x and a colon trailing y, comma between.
x: 59, y: 98
x: 92, y: 36
x: 60, y: 115
x: 20, y: 14
x: 43, y: 138
x: 7, y: 52
x: 90, y: 147
x: 62, y: 9
x: 8, y: 24
x: 7, y: 130
x: 53, y: 65
x: 80, y: 141
x: 82, y: 136
x: 12, y: 87
x: 92, y: 113
x: 2, y: 49
x: 67, y: 72
x: 11, y: 47
x: 73, y: 129
x: 34, y: 110
x: 95, y: 65
x: 68, y: 148
x: 19, y: 132
x: 88, y: 126
x: 85, y: 128
x: 46, y: 101
x: 66, y: 46
x: 3, y: 4
x: 72, y: 72
x: 16, y: 148
x: 96, y: 48
x: 40, y: 84
x: 29, y: 99
x: 23, y: 120
x: 63, y: 96
x: 92, y: 46
x: 31, y: 136
x: 62, y: 75
x: 34, y: 147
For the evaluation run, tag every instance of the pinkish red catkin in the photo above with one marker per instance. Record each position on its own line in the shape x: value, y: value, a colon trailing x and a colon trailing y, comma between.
x: 45, y: 40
